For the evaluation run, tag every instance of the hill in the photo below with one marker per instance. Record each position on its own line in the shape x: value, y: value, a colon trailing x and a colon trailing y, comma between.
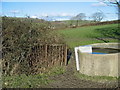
x: 84, y: 35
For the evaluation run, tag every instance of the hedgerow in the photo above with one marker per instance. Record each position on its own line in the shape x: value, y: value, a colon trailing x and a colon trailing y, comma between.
x: 20, y: 36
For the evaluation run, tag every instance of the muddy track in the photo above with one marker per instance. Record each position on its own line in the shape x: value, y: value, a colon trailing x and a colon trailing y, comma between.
x: 69, y: 80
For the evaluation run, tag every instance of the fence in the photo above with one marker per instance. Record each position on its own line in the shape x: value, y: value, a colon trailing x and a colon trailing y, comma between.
x: 47, y: 55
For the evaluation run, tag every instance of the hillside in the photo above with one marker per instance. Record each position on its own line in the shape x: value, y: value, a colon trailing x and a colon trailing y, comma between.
x: 84, y: 35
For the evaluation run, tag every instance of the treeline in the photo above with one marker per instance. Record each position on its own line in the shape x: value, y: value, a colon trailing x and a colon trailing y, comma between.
x: 19, y: 37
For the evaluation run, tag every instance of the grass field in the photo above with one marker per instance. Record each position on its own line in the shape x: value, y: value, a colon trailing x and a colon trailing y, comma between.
x: 83, y: 35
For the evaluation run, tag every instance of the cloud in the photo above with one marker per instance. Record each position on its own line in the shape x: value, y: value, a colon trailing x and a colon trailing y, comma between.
x: 44, y: 14
x: 33, y: 16
x: 56, y: 14
x: 65, y: 14
x: 99, y: 4
x: 15, y: 11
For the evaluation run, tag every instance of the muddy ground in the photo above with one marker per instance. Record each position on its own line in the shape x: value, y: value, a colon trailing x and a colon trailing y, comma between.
x: 69, y: 80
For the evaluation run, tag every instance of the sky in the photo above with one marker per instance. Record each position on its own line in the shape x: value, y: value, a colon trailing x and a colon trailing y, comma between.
x: 50, y: 0
x: 63, y: 9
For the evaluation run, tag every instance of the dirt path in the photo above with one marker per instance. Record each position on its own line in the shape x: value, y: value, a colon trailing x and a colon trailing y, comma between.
x: 69, y: 80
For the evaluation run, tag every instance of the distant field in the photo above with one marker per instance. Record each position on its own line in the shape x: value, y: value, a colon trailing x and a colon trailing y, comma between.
x: 80, y: 22
x: 81, y: 36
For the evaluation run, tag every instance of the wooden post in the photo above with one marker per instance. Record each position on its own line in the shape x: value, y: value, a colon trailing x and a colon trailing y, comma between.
x: 62, y: 56
x: 65, y: 55
x: 56, y: 53
x: 52, y: 54
x: 59, y: 54
x: 45, y: 53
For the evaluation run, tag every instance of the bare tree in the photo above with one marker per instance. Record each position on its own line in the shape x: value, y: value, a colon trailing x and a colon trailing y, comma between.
x: 98, y: 16
x: 111, y: 2
x: 110, y: 32
x: 27, y: 16
x: 115, y: 3
x: 80, y: 16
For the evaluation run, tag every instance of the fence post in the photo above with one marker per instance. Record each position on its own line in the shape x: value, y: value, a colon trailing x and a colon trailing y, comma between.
x: 65, y: 55
x: 62, y: 57
x: 45, y: 52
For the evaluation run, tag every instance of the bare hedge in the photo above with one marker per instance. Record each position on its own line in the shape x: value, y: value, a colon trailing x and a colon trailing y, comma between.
x: 20, y: 35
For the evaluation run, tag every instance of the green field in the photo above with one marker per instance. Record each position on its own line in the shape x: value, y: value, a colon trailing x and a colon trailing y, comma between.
x: 83, y: 35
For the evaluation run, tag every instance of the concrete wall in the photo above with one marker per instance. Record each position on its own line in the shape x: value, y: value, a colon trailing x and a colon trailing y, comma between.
x: 107, y: 45
x: 100, y: 64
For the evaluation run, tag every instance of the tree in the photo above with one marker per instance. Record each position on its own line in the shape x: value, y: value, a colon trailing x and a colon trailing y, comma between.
x: 111, y: 2
x: 80, y: 16
x: 113, y: 32
x: 27, y: 16
x: 115, y: 3
x: 98, y: 16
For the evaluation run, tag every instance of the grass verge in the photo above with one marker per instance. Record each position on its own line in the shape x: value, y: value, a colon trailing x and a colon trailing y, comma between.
x: 101, y: 79
x: 24, y: 81
x: 56, y: 71
x: 30, y: 81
